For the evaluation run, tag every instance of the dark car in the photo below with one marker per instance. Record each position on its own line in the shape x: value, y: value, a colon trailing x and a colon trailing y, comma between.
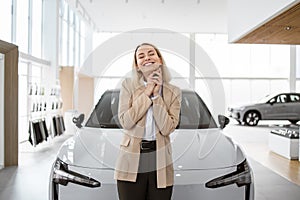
x: 284, y: 106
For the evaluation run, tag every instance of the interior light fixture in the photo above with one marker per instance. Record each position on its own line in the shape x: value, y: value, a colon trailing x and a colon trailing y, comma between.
x: 287, y: 28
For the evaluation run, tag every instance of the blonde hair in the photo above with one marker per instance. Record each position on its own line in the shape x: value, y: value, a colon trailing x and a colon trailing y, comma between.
x: 137, y: 75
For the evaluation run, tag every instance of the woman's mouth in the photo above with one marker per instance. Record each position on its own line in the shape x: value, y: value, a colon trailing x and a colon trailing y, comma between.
x: 147, y: 64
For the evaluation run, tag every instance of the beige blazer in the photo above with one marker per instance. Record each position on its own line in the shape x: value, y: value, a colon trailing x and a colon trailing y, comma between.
x: 133, y: 106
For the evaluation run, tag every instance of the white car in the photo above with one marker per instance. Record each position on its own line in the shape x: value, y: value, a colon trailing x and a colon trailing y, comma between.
x: 208, y: 165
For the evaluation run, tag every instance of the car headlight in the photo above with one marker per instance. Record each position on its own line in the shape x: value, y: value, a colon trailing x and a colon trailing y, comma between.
x: 62, y: 175
x: 241, y: 177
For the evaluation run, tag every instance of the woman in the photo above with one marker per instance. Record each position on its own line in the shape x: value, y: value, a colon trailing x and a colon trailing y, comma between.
x: 149, y: 112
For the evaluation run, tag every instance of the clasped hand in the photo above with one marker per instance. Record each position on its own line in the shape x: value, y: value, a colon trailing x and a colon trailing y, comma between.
x: 154, y: 82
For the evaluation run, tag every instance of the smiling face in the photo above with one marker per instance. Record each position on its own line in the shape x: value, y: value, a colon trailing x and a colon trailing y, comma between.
x: 147, y: 59
x: 146, y: 55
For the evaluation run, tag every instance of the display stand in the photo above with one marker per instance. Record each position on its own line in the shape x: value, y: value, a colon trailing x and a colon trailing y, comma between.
x: 285, y: 142
x: 45, y: 113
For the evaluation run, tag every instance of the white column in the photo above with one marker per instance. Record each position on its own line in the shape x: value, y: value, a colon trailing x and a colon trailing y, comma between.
x: 292, y: 76
x: 1, y: 111
x: 192, y: 60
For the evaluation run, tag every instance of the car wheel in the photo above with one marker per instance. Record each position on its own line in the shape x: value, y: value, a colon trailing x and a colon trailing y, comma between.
x: 293, y: 121
x: 252, y: 118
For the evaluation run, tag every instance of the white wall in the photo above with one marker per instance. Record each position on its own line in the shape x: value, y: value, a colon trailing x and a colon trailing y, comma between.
x: 245, y: 16
x: 1, y: 110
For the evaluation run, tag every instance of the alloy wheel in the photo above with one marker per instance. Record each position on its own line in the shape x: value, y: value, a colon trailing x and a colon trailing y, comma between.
x: 252, y: 118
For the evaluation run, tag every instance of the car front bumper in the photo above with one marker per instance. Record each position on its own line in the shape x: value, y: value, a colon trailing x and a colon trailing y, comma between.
x: 189, y: 185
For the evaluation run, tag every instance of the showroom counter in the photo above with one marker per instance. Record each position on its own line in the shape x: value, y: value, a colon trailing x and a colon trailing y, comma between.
x: 285, y: 142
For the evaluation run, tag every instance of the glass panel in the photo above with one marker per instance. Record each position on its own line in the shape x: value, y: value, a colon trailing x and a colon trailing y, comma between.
x: 36, y: 72
x: 23, y: 68
x: 241, y: 92
x: 259, y: 89
x: 37, y: 28
x: 178, y: 67
x: 77, y: 23
x: 244, y: 60
x: 22, y: 25
x: 294, y: 98
x: 277, y: 86
x: 71, y: 17
x: 1, y: 111
x: 5, y: 21
x: 66, y: 10
x: 279, y: 60
x: 71, y: 46
x: 77, y: 51
x: 121, y: 67
x: 82, y: 28
x: 23, y: 94
x: 64, y: 43
x: 82, y: 48
x: 110, y: 83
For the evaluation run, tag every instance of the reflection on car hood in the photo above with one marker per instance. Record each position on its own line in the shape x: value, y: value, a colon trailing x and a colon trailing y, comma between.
x: 247, y: 105
x: 192, y: 149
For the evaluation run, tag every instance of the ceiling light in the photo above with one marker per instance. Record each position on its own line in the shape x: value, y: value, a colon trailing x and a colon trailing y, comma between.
x: 287, y: 28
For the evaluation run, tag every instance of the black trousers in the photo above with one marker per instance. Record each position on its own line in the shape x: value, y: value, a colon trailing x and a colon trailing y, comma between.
x: 145, y: 187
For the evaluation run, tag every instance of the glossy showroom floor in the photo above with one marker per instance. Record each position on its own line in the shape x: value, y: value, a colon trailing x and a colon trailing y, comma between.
x: 276, y: 177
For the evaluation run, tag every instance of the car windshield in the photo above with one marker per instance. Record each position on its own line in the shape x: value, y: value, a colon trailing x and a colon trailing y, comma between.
x: 266, y: 98
x: 193, y: 114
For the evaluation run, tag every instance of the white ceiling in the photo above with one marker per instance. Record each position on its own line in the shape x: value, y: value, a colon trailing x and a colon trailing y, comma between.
x: 200, y: 16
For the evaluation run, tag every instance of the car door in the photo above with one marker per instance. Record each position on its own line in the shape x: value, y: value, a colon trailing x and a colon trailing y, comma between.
x: 293, y: 106
x: 277, y: 108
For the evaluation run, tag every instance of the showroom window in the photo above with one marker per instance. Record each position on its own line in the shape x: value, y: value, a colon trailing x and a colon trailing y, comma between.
x: 36, y: 49
x: 248, y: 71
x: 5, y: 20
x: 119, y: 68
x: 22, y: 26
x: 72, y: 35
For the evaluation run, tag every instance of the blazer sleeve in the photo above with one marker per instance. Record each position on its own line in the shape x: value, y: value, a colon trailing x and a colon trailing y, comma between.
x: 167, y: 117
x: 133, y: 105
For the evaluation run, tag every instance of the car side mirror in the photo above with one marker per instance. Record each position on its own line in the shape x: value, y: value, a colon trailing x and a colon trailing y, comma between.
x: 223, y: 121
x: 78, y: 120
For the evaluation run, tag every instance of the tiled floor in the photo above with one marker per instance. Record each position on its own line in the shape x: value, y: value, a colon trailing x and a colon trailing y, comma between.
x: 29, y: 181
x: 254, y: 141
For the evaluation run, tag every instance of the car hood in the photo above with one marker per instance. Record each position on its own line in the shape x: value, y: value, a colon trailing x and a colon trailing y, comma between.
x: 192, y: 149
x: 245, y: 106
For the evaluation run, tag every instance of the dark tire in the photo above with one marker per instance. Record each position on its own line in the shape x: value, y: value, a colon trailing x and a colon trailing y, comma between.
x: 293, y: 121
x: 251, y: 118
